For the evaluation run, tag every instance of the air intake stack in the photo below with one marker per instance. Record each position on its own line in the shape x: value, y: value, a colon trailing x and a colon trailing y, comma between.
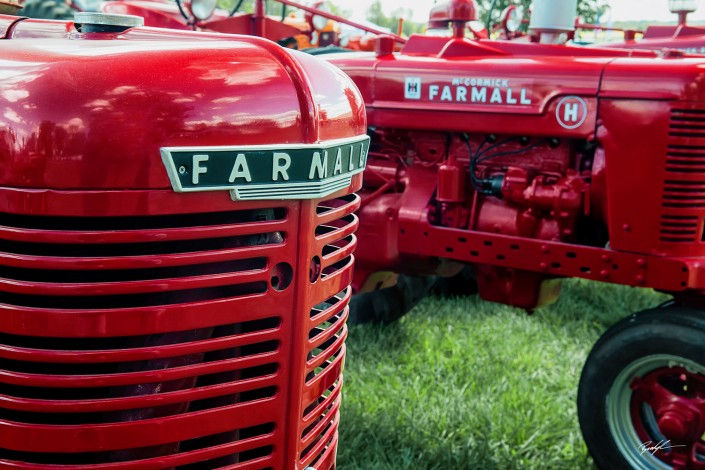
x: 682, y: 8
x: 552, y: 20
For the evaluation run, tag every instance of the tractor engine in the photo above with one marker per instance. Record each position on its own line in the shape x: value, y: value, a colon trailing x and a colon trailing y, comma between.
x: 176, y: 244
x: 529, y: 187
x: 519, y: 185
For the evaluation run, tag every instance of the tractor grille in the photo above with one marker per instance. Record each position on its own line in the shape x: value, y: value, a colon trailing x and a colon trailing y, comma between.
x: 188, y: 341
x: 143, y: 342
x: 326, y: 331
x: 684, y: 186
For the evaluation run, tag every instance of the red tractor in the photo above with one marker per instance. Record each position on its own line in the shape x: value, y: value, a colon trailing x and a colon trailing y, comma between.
x: 535, y: 162
x: 316, y: 28
x: 313, y: 27
x: 683, y: 37
x: 176, y: 248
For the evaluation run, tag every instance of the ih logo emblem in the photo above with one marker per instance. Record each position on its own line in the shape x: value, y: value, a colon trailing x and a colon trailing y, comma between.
x: 571, y: 112
x: 412, y: 88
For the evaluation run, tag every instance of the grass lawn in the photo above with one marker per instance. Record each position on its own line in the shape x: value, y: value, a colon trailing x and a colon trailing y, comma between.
x: 463, y: 384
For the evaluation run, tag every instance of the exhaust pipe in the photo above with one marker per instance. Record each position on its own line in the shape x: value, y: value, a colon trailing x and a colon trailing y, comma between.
x: 552, y: 20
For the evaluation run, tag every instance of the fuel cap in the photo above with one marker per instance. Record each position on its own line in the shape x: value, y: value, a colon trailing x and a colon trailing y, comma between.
x: 93, y: 22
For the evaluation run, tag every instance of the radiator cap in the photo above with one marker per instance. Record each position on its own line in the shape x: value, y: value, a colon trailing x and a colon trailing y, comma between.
x: 93, y: 22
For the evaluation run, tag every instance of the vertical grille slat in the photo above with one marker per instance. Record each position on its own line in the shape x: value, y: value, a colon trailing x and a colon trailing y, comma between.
x: 323, y: 442
x: 326, y: 329
x: 320, y: 431
x: 317, y: 407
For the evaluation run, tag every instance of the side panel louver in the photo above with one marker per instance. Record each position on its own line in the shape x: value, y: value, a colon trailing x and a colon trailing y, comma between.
x: 683, y: 204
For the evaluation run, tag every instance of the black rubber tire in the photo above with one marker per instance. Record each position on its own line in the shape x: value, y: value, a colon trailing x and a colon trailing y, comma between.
x: 46, y: 9
x: 462, y: 284
x: 325, y: 50
x: 672, y: 330
x: 389, y: 304
x: 288, y: 43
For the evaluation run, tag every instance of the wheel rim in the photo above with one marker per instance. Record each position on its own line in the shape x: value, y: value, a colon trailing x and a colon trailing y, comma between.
x: 659, y: 399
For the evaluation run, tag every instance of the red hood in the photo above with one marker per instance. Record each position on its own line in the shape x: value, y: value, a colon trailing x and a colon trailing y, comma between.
x: 93, y: 110
x: 459, y: 85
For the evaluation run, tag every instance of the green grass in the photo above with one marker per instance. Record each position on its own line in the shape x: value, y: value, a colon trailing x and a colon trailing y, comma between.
x: 463, y: 384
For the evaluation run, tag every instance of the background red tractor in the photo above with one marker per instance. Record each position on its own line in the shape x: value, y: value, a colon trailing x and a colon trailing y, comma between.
x: 517, y: 23
x: 294, y: 25
x: 175, y: 253
x: 534, y: 162
x: 683, y: 37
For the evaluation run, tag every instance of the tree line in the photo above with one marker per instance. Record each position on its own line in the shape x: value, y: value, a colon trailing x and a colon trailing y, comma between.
x: 589, y: 10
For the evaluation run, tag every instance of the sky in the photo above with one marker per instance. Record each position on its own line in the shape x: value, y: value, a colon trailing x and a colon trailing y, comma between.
x: 622, y: 10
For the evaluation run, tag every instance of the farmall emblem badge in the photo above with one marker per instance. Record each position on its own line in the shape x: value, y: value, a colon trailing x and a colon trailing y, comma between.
x: 258, y: 172
x: 412, y: 88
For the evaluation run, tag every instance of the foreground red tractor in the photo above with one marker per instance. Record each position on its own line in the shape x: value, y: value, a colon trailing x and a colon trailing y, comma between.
x: 176, y: 248
x: 536, y: 162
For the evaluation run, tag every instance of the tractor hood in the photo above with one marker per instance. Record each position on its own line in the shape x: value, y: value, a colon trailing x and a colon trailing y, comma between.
x: 447, y: 84
x: 93, y: 110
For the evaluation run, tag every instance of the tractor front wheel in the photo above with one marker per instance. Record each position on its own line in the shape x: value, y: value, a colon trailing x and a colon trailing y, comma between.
x: 641, y: 398
x: 391, y: 303
x: 46, y: 9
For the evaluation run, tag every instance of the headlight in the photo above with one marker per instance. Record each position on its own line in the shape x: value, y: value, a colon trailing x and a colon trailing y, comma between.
x: 320, y: 22
x: 202, y: 9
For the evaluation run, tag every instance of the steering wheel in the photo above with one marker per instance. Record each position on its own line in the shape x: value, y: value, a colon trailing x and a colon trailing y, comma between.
x: 186, y: 16
x: 509, y: 21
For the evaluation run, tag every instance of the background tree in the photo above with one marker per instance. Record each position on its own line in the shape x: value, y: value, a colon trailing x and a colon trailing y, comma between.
x: 589, y: 10
x: 245, y: 6
x: 376, y: 15
x: 339, y: 10
x: 275, y: 8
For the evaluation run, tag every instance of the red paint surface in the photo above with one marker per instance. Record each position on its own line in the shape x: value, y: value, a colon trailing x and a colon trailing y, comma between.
x: 142, y: 328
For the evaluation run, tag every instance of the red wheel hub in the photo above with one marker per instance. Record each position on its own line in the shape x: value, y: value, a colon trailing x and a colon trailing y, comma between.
x: 675, y: 425
x: 668, y: 413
